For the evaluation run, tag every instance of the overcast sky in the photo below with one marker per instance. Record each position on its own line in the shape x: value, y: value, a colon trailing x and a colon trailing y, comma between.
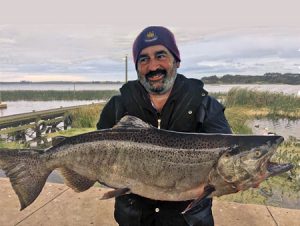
x: 88, y: 40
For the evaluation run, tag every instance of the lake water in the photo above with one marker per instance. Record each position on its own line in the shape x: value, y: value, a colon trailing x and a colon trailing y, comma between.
x: 288, y: 89
x: 18, y: 107
x: 59, y: 86
x: 283, y: 127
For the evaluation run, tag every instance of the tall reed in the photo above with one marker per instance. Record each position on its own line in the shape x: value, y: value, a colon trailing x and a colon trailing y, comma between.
x: 48, y: 95
x: 86, y: 117
x: 277, y: 103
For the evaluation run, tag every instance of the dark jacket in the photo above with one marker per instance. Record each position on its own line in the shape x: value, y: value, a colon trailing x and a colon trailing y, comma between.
x: 188, y: 109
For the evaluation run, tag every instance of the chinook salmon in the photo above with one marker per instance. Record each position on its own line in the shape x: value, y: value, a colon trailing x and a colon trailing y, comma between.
x: 134, y: 157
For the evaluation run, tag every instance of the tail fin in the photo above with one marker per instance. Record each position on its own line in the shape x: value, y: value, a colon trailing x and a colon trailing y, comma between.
x: 26, y: 172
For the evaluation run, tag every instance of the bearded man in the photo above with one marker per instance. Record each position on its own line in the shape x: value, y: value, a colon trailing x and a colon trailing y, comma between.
x: 167, y: 100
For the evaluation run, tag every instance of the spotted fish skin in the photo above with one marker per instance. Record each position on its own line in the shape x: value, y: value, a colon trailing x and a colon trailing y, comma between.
x: 136, y: 157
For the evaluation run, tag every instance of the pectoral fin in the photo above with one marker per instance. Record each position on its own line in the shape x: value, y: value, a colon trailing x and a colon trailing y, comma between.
x: 207, y: 191
x: 115, y: 193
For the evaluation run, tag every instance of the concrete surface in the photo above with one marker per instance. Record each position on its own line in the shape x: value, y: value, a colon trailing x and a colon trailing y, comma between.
x: 59, y: 205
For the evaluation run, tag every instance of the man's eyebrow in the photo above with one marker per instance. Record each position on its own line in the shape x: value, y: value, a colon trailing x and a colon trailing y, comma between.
x: 161, y: 51
x: 158, y: 52
x: 143, y: 55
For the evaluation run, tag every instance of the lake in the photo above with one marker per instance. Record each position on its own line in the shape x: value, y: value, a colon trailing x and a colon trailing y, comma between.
x: 282, y: 127
x: 18, y: 107
x: 284, y: 88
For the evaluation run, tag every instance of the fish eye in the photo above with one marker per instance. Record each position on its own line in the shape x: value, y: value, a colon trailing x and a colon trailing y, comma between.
x: 257, y: 153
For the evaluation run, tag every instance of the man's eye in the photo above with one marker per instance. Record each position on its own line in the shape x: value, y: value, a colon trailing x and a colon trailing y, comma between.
x: 143, y: 59
x: 161, y: 56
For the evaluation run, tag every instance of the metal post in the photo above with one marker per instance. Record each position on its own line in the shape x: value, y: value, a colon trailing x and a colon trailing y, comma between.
x: 126, y: 68
x: 74, y: 90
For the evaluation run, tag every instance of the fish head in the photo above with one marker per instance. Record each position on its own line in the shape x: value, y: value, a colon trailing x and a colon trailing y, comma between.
x: 240, y: 168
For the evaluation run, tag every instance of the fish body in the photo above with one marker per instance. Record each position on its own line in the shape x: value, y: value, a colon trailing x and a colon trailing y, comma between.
x: 138, y: 158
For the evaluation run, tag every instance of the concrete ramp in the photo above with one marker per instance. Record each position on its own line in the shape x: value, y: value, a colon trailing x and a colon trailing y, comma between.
x: 59, y: 205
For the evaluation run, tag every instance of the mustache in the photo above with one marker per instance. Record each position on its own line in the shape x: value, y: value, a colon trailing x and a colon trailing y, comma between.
x: 153, y: 73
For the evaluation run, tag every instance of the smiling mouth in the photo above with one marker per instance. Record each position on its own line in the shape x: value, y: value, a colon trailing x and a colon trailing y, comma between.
x: 156, y: 77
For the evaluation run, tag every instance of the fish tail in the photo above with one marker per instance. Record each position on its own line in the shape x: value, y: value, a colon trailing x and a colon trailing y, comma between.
x: 26, y: 171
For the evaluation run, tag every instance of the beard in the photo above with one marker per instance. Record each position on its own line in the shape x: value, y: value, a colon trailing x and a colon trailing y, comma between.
x: 163, y: 85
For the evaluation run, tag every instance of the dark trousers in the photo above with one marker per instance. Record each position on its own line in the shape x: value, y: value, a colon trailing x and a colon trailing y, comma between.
x: 134, y: 210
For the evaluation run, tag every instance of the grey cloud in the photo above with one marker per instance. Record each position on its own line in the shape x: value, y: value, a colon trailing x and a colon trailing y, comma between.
x: 92, y: 49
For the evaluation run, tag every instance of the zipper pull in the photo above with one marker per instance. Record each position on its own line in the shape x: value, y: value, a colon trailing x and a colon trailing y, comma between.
x: 158, y: 123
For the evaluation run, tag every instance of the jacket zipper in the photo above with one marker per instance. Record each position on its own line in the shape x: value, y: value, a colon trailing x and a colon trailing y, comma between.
x: 158, y: 120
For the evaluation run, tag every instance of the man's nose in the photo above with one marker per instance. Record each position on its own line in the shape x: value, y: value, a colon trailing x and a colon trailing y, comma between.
x: 153, y: 65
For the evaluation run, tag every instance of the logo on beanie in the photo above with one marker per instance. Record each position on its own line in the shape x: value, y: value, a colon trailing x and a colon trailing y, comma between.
x: 150, y: 36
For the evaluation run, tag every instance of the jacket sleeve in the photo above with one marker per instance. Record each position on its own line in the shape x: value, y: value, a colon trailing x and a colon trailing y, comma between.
x: 212, y: 117
x: 112, y: 112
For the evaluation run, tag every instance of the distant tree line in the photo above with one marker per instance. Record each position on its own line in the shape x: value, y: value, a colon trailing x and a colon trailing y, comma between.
x: 268, y: 78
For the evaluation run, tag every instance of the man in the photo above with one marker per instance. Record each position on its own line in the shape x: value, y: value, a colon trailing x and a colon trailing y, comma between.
x: 170, y: 101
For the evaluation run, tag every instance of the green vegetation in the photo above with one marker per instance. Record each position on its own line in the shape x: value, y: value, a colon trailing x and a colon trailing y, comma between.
x: 12, y: 145
x: 268, y: 78
x: 48, y: 95
x: 86, y: 117
x: 71, y: 132
x: 238, y: 121
x: 265, y: 103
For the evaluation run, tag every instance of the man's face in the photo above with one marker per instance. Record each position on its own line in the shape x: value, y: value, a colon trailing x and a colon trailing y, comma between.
x: 157, y: 69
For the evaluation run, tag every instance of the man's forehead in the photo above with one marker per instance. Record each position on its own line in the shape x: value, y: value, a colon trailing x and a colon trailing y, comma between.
x: 154, y: 49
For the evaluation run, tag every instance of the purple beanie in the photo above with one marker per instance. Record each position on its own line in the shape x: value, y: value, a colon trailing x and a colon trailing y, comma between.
x: 155, y: 35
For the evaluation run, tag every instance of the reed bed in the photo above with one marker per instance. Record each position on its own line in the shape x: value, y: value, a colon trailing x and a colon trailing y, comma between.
x: 87, y: 116
x: 49, y: 95
x: 273, y: 104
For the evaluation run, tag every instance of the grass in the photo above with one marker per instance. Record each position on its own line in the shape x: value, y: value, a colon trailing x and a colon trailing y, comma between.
x: 11, y: 145
x: 237, y: 121
x: 266, y: 104
x: 86, y: 117
x: 70, y: 132
x: 49, y: 95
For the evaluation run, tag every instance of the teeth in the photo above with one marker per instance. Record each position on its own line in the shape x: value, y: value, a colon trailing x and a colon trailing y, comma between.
x: 157, y: 76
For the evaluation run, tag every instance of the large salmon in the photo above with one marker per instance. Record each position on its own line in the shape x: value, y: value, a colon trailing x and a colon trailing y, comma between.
x: 138, y: 158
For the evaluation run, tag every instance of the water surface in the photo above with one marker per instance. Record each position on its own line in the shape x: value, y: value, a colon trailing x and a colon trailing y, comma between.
x: 281, y: 88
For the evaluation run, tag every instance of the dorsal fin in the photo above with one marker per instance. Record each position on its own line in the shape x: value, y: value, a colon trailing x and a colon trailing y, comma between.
x: 129, y: 121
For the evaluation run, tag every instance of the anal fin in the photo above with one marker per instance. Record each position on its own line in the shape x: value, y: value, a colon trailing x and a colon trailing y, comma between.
x: 207, y: 191
x: 115, y: 193
x: 76, y: 181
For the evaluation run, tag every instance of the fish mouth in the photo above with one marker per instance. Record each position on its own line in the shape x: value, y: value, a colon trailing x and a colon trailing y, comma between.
x: 279, y: 140
x: 276, y: 168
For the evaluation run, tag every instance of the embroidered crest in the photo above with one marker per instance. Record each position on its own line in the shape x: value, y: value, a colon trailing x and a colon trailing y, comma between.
x: 150, y: 36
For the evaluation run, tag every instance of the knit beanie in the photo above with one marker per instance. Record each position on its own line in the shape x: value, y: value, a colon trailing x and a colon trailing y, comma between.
x: 155, y: 35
